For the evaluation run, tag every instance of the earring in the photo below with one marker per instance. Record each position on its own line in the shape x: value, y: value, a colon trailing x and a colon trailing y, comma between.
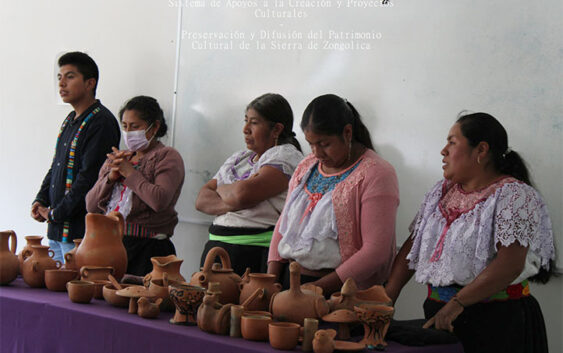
x: 350, y: 150
x: 276, y: 141
x: 478, y: 159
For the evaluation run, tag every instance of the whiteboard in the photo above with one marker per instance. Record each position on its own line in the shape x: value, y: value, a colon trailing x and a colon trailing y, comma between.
x: 409, y: 67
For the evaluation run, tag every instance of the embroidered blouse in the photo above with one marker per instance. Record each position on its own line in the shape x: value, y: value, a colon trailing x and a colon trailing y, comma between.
x: 309, y: 227
x: 456, y: 233
x: 241, y: 166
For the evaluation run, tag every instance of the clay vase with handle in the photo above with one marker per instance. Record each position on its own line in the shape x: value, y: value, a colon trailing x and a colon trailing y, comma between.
x: 253, y: 281
x: 70, y: 262
x: 26, y: 251
x: 9, y: 264
x: 102, y: 244
x: 293, y: 304
x: 164, y: 264
x: 224, y: 274
x: 34, y: 266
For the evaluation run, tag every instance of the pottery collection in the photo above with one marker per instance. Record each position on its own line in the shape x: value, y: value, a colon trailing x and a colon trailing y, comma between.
x: 26, y: 251
x: 56, y: 279
x: 34, y: 266
x: 102, y: 243
x: 9, y: 264
x: 252, y: 281
x: 295, y: 305
x: 80, y: 291
x: 165, y: 264
x: 222, y: 273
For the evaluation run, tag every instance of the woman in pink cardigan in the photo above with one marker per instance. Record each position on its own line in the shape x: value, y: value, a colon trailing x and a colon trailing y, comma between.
x: 339, y: 218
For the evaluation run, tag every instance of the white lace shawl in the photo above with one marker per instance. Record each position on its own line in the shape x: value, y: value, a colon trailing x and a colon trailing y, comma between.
x: 514, y: 212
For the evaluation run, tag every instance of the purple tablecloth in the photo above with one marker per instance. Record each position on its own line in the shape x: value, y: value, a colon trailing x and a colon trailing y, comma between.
x: 38, y: 320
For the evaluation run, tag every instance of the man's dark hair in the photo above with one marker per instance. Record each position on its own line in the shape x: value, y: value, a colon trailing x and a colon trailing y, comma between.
x: 84, y: 64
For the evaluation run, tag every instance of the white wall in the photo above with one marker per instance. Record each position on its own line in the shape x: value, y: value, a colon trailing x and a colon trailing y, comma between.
x: 133, y: 43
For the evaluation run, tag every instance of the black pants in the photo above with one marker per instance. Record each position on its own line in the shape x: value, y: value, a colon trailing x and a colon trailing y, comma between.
x: 140, y: 251
x: 511, y: 326
x: 242, y: 256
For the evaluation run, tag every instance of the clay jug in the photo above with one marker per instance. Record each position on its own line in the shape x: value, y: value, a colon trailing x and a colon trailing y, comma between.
x: 70, y: 262
x: 9, y: 264
x: 26, y: 251
x: 293, y: 304
x: 102, y: 244
x: 164, y: 264
x: 34, y: 266
x: 253, y: 281
x: 210, y: 272
x: 212, y: 316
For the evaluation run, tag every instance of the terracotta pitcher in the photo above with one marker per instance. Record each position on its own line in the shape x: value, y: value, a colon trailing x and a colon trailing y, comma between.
x: 26, y: 251
x: 165, y: 264
x: 9, y: 264
x: 35, y: 265
x: 251, y: 282
x: 102, y: 244
x: 294, y: 305
x: 229, y: 281
x: 70, y: 262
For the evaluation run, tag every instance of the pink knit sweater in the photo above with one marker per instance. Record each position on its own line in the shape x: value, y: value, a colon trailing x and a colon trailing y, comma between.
x: 365, y: 206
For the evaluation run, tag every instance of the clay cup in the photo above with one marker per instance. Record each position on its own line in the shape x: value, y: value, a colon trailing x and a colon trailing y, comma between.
x: 80, y: 291
x: 284, y: 335
x: 255, y: 327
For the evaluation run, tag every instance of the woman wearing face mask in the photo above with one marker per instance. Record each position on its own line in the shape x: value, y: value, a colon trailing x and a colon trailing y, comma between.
x: 143, y: 183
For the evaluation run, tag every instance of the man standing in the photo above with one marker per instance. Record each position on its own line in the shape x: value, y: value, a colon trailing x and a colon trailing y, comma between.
x: 85, y: 137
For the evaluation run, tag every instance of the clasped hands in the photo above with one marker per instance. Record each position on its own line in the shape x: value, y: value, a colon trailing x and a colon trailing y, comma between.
x: 120, y: 164
x: 39, y: 212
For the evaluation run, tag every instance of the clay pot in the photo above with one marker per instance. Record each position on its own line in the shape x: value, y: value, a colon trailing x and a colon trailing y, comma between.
x: 9, y: 264
x: 80, y: 291
x: 252, y: 281
x: 165, y: 264
x: 283, y: 335
x: 91, y: 273
x: 229, y: 281
x: 255, y: 328
x: 35, y: 265
x: 159, y: 289
x: 70, y: 261
x: 212, y: 316
x: 102, y: 244
x: 108, y: 292
x: 350, y: 296
x: 187, y: 299
x: 294, y: 305
x: 56, y: 280
x: 376, y: 320
x: 26, y: 251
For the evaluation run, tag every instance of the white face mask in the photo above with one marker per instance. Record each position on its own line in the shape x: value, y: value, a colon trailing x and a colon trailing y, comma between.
x: 136, y: 140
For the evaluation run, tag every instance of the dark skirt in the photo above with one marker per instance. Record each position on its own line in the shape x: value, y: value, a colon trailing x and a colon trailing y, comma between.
x: 140, y: 251
x: 511, y: 326
x: 242, y: 256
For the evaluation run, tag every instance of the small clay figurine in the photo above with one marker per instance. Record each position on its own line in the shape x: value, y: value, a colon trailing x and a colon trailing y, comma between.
x: 147, y: 309
x: 324, y: 341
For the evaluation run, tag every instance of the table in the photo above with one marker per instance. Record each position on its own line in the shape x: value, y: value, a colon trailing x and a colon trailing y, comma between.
x: 38, y: 320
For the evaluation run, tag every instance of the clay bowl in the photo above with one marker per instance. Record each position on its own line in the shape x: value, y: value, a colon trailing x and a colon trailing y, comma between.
x: 80, y: 291
x: 108, y: 292
x: 98, y: 287
x: 187, y: 299
x: 283, y: 335
x: 255, y: 327
x: 56, y: 280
